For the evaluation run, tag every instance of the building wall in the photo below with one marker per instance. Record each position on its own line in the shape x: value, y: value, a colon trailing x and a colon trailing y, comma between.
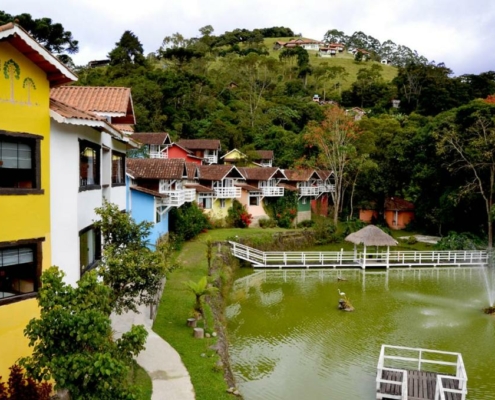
x: 303, y: 210
x: 177, y: 152
x: 403, y: 218
x: 368, y: 215
x: 258, y: 212
x: 319, y: 206
x: 143, y: 209
x: 72, y: 210
x: 23, y: 216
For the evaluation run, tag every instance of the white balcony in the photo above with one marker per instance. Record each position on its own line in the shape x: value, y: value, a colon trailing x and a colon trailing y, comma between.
x: 190, y: 195
x: 309, y: 191
x: 326, y: 188
x: 211, y: 159
x: 228, y: 193
x: 265, y: 163
x: 272, y: 191
x: 176, y: 198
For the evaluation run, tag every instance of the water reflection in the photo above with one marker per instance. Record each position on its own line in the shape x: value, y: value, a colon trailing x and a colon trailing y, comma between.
x: 289, y: 341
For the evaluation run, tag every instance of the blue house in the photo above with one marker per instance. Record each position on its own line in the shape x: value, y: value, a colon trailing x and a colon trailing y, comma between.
x: 155, y: 185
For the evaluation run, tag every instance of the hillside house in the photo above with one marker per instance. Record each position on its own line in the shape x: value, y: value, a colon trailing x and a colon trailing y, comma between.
x: 305, y: 183
x: 398, y: 212
x: 155, y: 144
x: 206, y: 149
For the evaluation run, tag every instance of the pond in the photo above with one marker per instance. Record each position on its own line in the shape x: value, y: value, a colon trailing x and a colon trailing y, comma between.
x: 289, y: 340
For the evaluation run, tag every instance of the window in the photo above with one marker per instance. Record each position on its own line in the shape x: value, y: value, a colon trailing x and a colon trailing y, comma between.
x: 20, y: 269
x: 304, y: 200
x: 89, y: 248
x: 118, y: 169
x: 254, y: 200
x: 20, y: 171
x: 222, y: 203
x: 89, y: 165
x: 205, y: 203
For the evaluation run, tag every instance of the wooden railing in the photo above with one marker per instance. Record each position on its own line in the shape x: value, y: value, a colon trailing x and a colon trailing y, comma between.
x: 227, y: 192
x: 353, y: 259
x: 404, y: 362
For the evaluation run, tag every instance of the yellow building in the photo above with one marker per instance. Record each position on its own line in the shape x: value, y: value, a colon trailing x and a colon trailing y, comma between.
x: 27, y: 72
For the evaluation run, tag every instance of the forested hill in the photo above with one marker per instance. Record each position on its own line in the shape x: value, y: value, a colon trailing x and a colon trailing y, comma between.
x: 436, y: 149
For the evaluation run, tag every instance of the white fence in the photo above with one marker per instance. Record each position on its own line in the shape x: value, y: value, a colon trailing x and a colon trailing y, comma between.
x: 353, y: 259
x: 401, y: 359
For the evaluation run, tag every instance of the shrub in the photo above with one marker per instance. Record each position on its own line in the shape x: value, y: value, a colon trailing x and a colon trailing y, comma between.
x: 282, y: 209
x: 238, y: 217
x: 459, y: 241
x: 352, y: 226
x: 187, y: 221
x: 412, y: 240
x: 20, y: 387
x: 325, y: 231
x: 267, y: 223
x: 306, y: 224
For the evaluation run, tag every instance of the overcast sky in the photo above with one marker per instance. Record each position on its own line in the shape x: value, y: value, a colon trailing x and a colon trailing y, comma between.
x: 459, y: 33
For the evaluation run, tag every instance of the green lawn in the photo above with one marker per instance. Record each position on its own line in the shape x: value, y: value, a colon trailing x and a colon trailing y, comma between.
x: 140, y: 378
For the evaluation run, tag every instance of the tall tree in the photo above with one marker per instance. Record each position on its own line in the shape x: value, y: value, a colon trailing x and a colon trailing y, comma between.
x: 467, y: 140
x: 51, y: 35
x: 128, y: 51
x: 335, y: 137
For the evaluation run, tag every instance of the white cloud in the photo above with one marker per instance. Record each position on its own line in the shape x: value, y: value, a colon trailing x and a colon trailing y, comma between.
x: 449, y: 31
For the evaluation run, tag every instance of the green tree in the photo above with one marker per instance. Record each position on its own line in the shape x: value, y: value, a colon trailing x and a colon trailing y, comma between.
x: 128, y: 52
x: 52, y: 36
x: 467, y: 139
x: 72, y: 340
x: 128, y: 267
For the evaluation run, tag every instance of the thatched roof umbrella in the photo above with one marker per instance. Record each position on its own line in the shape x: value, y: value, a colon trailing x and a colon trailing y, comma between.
x: 371, y: 236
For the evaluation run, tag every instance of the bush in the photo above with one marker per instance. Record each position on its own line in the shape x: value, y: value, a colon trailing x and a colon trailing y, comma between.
x: 353, y: 226
x: 238, y: 217
x: 283, y: 209
x: 187, y: 222
x: 325, y: 231
x: 267, y: 223
x: 20, y: 387
x: 306, y: 224
x: 459, y: 241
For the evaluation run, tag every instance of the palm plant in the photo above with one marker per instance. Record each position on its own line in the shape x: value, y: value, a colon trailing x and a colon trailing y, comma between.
x: 201, y: 289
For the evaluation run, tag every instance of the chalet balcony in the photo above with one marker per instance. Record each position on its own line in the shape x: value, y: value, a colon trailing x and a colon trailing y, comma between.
x: 309, y: 191
x: 272, y: 191
x: 211, y: 159
x: 228, y: 193
x: 266, y: 163
x: 176, y: 198
x: 328, y: 188
x: 158, y: 154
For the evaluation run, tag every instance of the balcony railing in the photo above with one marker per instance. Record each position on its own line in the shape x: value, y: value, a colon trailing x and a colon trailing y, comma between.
x: 211, y: 159
x: 176, y: 198
x: 272, y: 191
x: 159, y: 154
x: 326, y: 188
x: 228, y: 193
x: 309, y: 191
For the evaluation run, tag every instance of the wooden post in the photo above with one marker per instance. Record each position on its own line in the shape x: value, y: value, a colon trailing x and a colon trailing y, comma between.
x: 388, y: 256
x: 364, y: 258
x: 199, y: 333
x: 191, y: 322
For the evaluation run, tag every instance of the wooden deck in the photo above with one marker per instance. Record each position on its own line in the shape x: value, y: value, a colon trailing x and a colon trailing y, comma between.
x: 421, y: 386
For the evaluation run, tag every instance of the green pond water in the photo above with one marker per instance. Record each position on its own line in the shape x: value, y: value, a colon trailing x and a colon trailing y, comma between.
x: 289, y: 341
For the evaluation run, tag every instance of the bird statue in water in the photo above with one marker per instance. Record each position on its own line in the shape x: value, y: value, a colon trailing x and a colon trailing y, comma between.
x: 341, y: 293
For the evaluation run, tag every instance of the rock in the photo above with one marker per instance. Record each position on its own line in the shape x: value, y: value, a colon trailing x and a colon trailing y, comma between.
x: 219, y: 364
x: 230, y: 390
x: 203, y: 354
x: 236, y: 393
x: 207, y: 335
x: 214, y: 334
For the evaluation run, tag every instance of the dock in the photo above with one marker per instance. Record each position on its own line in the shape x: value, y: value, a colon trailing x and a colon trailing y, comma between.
x: 396, y: 381
x: 355, y: 259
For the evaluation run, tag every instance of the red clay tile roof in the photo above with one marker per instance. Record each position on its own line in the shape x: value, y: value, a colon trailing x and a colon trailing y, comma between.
x: 156, y: 168
x: 300, y: 175
x: 148, y: 191
x: 124, y: 127
x: 265, y: 154
x: 150, y: 137
x: 323, y: 174
x: 67, y: 111
x: 95, y: 98
x: 217, y: 172
x: 247, y: 187
x: 200, y: 144
x: 398, y: 204
x: 260, y: 173
x: 56, y: 72
x: 191, y: 170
